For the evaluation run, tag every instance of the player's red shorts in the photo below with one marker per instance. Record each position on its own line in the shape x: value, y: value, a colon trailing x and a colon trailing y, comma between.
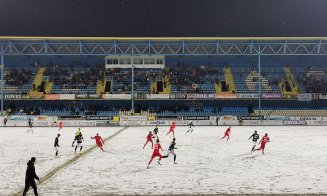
x: 262, y: 145
x: 99, y: 145
x: 156, y: 154
x: 226, y: 134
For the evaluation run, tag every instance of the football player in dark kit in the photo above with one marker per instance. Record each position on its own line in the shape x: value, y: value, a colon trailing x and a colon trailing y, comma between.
x: 30, y: 125
x: 171, y: 150
x: 56, y: 144
x: 255, y: 137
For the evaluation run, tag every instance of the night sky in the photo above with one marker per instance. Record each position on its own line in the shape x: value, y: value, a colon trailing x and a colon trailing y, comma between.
x: 163, y: 18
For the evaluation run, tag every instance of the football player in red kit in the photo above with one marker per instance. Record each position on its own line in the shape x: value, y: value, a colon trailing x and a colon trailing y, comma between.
x: 60, y: 125
x: 99, y: 141
x: 172, y: 128
x: 227, y: 133
x: 263, y: 142
x: 149, y: 139
x: 155, y: 153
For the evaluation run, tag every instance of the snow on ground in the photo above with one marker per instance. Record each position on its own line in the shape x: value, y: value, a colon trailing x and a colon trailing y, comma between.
x: 17, y: 147
x: 295, y: 162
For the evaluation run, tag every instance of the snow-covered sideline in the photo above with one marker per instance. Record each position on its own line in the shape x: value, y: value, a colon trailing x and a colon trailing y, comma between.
x: 295, y: 162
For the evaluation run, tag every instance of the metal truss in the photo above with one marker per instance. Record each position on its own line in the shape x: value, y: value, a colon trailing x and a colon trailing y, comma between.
x: 163, y: 46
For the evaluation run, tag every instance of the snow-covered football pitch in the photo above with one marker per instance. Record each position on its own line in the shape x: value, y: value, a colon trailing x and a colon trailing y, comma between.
x: 295, y: 161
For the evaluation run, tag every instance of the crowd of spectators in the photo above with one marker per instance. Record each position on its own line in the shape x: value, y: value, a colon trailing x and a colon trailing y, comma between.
x: 313, y: 80
x: 189, y: 78
x: 186, y: 78
x: 122, y: 78
x: 194, y: 74
x: 18, y: 77
x: 74, y: 76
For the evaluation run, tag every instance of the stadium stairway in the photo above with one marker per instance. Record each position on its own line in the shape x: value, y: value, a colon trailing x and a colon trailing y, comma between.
x: 48, y: 87
x: 229, y: 79
x: 101, y: 86
x: 218, y: 88
x: 166, y: 86
x: 294, y: 85
x: 34, y: 93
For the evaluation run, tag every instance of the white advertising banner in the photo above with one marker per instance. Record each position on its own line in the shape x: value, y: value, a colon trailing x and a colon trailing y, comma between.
x: 251, y: 122
x: 78, y: 123
x: 225, y: 96
x: 294, y: 122
x: 157, y: 96
x: 116, y: 96
x: 133, y: 118
x: 304, y: 97
x: 317, y: 122
x: 66, y: 96
x: 247, y: 96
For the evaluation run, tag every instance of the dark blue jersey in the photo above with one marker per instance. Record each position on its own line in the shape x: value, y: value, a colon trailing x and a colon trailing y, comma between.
x: 155, y: 130
x: 255, y: 137
x: 56, y: 142
x: 172, y: 145
x: 191, y: 124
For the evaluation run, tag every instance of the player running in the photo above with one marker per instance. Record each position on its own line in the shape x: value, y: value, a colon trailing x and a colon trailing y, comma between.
x: 171, y: 150
x: 79, y: 139
x: 172, y: 128
x: 155, y: 153
x: 60, y: 125
x: 155, y: 132
x: 227, y: 133
x: 263, y: 142
x: 255, y: 137
x: 99, y: 141
x: 78, y: 131
x: 149, y: 139
x: 30, y: 124
x: 56, y: 144
x: 190, y: 127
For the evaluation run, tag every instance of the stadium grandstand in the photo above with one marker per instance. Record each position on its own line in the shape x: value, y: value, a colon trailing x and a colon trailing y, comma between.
x: 164, y: 76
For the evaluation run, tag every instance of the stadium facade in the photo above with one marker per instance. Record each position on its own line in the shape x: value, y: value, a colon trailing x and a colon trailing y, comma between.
x: 164, y: 78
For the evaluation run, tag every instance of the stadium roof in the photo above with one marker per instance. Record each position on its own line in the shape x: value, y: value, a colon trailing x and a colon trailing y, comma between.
x: 163, y: 38
x: 195, y: 46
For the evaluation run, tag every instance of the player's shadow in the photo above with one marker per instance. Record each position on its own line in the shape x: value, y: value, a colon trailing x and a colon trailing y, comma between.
x: 249, y: 157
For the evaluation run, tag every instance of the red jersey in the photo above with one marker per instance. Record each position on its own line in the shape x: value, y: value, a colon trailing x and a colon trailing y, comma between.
x: 227, y: 131
x: 149, y: 137
x: 98, y: 139
x: 156, y: 148
x: 265, y: 139
x: 60, y: 124
x: 172, y: 126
